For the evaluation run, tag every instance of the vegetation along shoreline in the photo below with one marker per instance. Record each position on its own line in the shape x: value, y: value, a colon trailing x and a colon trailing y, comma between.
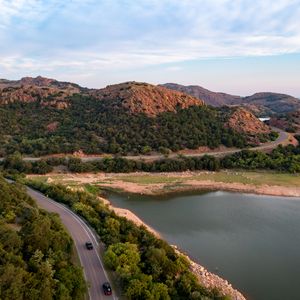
x: 177, y: 276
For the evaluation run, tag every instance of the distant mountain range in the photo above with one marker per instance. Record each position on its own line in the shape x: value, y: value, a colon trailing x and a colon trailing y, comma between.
x: 43, y: 116
x: 259, y: 103
x: 38, y: 81
x: 53, y: 92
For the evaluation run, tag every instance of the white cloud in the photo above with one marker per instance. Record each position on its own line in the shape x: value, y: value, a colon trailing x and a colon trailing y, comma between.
x: 25, y: 10
x: 91, y: 36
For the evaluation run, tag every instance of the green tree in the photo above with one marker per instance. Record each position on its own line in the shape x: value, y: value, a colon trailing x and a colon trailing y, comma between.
x: 123, y: 258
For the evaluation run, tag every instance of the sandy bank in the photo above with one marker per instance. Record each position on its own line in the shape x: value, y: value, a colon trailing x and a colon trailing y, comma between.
x: 273, y: 184
x: 273, y: 190
x: 122, y: 212
x: 194, y: 185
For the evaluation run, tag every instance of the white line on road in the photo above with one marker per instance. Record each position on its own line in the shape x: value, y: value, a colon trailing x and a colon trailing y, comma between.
x: 84, y: 226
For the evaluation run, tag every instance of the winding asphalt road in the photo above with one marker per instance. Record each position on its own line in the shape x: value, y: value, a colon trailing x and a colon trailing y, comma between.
x: 80, y: 232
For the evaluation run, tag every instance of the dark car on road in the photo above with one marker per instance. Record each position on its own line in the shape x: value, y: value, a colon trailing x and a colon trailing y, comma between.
x: 106, y: 288
x: 89, y: 245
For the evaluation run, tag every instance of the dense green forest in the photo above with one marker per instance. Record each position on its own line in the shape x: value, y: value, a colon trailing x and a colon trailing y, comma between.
x: 282, y: 159
x: 146, y: 267
x: 35, y: 251
x: 95, y: 127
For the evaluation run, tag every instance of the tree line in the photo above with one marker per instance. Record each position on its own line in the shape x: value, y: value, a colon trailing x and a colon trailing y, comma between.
x: 282, y: 159
x: 35, y: 251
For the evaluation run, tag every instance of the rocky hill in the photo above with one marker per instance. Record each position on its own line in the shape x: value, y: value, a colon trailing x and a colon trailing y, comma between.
x: 48, y: 92
x: 145, y: 98
x: 289, y: 122
x: 272, y: 103
x: 209, y: 97
x: 244, y: 121
x: 44, y: 116
x: 38, y: 81
x: 133, y: 96
x: 259, y: 103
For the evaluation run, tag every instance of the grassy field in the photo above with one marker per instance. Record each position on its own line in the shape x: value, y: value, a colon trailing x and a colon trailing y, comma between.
x: 243, y: 177
x: 150, y: 179
x: 255, y: 178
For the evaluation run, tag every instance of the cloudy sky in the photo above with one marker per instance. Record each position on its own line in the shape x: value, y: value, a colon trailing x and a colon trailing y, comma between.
x: 235, y: 46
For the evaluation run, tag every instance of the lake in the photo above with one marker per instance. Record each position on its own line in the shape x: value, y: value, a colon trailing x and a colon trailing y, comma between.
x: 251, y: 241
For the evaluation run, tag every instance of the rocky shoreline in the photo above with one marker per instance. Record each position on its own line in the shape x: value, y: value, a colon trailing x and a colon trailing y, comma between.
x: 211, y: 280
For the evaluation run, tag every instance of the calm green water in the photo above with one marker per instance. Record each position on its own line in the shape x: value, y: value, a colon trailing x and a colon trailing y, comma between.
x: 252, y: 241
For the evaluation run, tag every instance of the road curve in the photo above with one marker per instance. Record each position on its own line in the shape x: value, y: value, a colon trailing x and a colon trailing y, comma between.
x: 283, y: 139
x: 80, y: 232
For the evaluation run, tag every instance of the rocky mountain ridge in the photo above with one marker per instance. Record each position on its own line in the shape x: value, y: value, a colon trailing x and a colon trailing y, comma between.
x: 265, y: 103
x: 48, y: 92
x: 209, y: 97
x: 38, y: 81
x: 135, y: 97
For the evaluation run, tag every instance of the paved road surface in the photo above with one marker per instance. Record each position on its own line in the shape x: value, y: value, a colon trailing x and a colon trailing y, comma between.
x: 90, y: 260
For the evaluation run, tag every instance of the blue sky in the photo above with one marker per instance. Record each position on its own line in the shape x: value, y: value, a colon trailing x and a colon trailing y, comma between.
x: 240, y: 46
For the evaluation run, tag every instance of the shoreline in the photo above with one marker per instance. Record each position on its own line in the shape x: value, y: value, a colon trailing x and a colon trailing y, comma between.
x: 208, y: 279
x: 156, y: 184
x: 128, y: 214
x: 161, y: 184
x: 210, y: 186
x: 194, y: 185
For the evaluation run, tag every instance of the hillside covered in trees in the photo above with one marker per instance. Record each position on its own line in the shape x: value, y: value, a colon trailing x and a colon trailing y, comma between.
x: 46, y: 117
x: 35, y: 251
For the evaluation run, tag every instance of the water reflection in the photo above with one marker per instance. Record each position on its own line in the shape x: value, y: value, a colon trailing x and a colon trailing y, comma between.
x: 253, y: 241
